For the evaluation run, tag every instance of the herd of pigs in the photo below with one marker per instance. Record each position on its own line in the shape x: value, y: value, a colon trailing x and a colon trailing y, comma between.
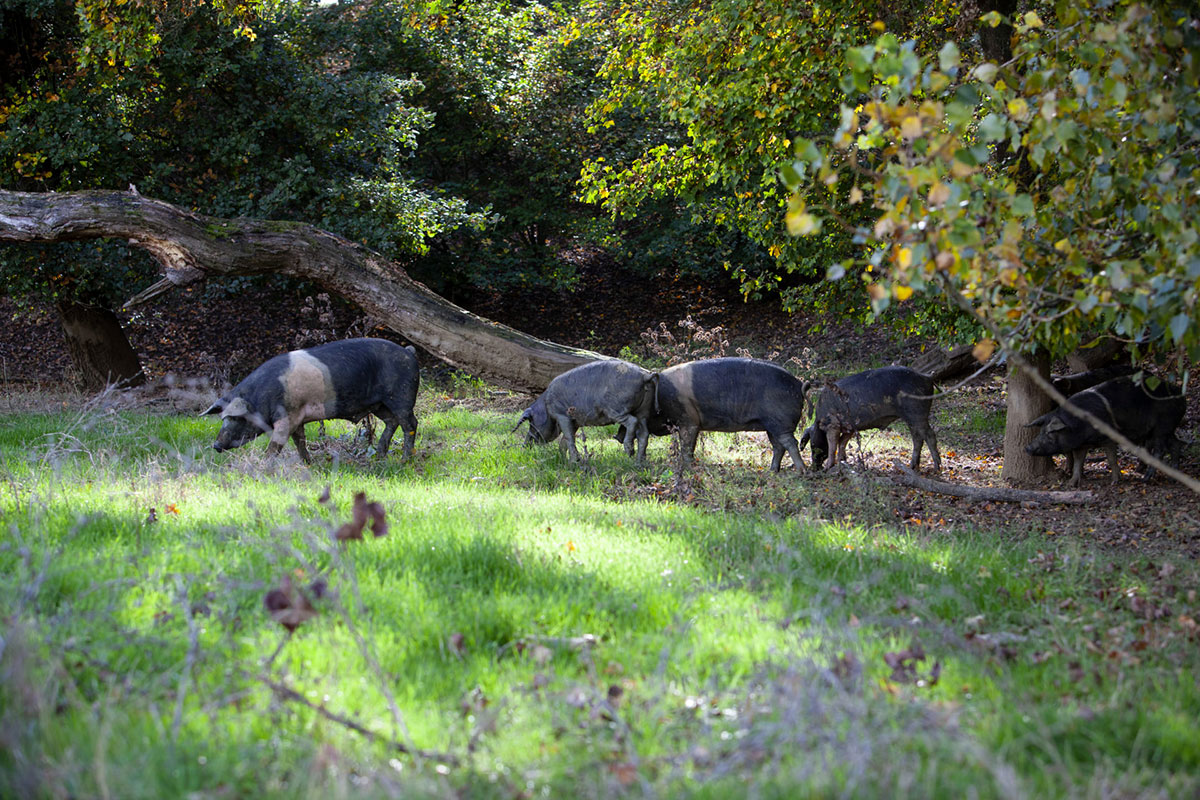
x: 356, y: 377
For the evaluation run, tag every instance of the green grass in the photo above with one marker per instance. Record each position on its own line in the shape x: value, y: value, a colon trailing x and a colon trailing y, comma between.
x: 541, y: 628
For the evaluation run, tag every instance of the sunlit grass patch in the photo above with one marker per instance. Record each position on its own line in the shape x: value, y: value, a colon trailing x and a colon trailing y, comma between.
x: 531, y: 634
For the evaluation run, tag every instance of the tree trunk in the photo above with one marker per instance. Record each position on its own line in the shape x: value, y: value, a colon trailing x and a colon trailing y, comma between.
x: 996, y: 43
x: 190, y: 246
x: 99, y: 348
x: 1026, y: 402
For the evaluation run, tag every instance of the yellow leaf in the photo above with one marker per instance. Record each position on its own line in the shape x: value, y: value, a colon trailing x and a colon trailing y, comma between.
x: 1018, y: 109
x: 939, y: 193
x: 1033, y: 20
x: 801, y: 223
x: 983, y: 350
x: 856, y: 194
x: 904, y: 257
x: 903, y: 293
x: 911, y: 128
x: 1062, y: 246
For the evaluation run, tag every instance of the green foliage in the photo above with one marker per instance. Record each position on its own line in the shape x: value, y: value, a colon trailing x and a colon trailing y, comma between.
x: 264, y: 111
x: 1058, y: 193
x: 705, y: 101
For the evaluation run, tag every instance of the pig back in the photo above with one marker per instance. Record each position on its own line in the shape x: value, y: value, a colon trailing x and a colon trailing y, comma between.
x: 875, y: 398
x: 360, y: 374
x: 596, y: 392
x: 729, y: 394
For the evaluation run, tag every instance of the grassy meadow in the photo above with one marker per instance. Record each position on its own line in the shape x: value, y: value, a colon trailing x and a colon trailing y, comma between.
x: 530, y: 628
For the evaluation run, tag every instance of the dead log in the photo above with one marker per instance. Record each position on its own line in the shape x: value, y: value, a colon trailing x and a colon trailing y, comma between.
x: 1102, y: 351
x: 947, y: 365
x: 190, y: 246
x: 990, y: 494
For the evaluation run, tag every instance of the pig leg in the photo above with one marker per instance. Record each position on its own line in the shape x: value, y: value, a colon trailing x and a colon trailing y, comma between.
x: 687, y: 442
x: 837, y: 445
x: 390, y: 423
x: 410, y: 435
x: 643, y: 439
x: 567, y: 425
x: 776, y: 452
x: 280, y: 432
x: 1077, y: 457
x: 779, y: 443
x: 631, y: 426
x: 301, y: 444
x: 1110, y: 449
x: 833, y: 439
x: 922, y: 434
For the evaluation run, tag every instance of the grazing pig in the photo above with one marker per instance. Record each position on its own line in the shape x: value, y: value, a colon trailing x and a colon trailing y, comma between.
x: 598, y: 393
x: 730, y: 394
x: 1145, y: 416
x: 339, y: 380
x: 873, y: 399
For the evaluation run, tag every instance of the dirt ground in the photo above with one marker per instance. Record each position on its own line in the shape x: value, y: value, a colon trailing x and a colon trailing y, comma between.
x: 202, y: 332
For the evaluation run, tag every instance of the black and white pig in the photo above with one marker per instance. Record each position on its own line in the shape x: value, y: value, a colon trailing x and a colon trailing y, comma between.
x: 730, y: 394
x: 339, y: 380
x: 874, y: 398
x: 1145, y: 416
x: 597, y: 393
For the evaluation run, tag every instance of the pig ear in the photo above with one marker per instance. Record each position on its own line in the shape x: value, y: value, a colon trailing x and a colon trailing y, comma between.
x: 524, y: 418
x: 237, y: 407
x: 1056, y: 424
x: 537, y: 415
x: 804, y: 439
x: 1040, y: 421
x: 216, y: 408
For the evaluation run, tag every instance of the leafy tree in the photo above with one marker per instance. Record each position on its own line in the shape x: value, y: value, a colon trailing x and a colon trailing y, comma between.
x: 716, y: 93
x: 1050, y: 197
x: 246, y: 109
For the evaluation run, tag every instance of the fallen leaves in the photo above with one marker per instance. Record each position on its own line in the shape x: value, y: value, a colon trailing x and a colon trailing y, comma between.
x: 364, y: 512
x: 290, y: 605
x: 904, y: 667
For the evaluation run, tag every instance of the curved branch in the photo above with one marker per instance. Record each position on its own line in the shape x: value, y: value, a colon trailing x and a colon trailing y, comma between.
x: 190, y: 246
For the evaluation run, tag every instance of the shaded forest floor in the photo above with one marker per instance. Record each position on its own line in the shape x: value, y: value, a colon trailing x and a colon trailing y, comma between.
x: 223, y: 335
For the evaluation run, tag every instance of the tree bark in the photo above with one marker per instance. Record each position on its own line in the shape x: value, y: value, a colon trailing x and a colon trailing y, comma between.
x: 996, y: 43
x: 190, y: 246
x: 1100, y: 352
x: 1026, y: 402
x: 99, y: 348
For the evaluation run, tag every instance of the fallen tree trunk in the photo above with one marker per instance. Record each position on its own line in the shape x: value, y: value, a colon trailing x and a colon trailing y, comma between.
x: 190, y: 246
x: 987, y: 493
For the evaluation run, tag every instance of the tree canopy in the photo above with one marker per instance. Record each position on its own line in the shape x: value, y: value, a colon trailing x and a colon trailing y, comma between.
x: 1057, y: 193
x: 719, y: 92
x: 240, y: 109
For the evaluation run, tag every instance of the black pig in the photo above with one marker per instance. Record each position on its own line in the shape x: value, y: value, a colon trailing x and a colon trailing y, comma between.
x: 873, y: 399
x: 1145, y: 416
x: 730, y: 394
x: 339, y: 380
x: 598, y: 393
